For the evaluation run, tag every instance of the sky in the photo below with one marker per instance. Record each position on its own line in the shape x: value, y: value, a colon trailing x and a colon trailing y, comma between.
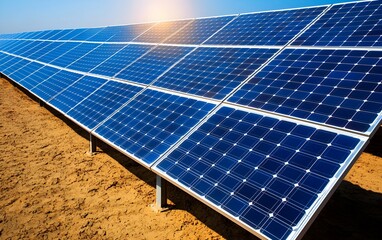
x: 32, y: 15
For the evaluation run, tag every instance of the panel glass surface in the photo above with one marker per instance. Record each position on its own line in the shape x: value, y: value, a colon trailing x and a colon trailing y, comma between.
x: 102, y: 103
x: 161, y: 31
x: 95, y: 57
x: 267, y: 28
x: 54, y: 51
x: 121, y: 33
x: 214, y: 72
x: 353, y: 24
x: 38, y: 76
x: 341, y: 88
x: 25, y: 71
x: 120, y: 60
x: 151, y: 123
x: 55, y: 84
x: 199, y: 30
x: 76, y: 92
x: 264, y: 172
x: 153, y: 64
x: 74, y: 54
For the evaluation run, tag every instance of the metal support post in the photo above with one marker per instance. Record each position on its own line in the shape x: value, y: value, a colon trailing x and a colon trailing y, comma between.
x: 41, y: 103
x: 93, y: 144
x: 161, y: 193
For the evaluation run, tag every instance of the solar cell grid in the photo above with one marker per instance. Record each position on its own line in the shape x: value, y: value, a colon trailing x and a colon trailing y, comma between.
x: 74, y: 54
x: 120, y: 60
x: 214, y: 72
x: 352, y: 24
x: 76, y: 92
x: 53, y: 51
x: 95, y: 57
x: 82, y: 35
x: 102, y: 103
x: 199, y: 30
x: 50, y: 87
x: 266, y: 172
x: 152, y: 122
x: 38, y: 76
x: 161, y: 31
x: 60, y: 34
x: 340, y: 88
x: 24, y: 71
x: 15, y: 66
x: 267, y: 28
x: 121, y: 33
x: 153, y: 64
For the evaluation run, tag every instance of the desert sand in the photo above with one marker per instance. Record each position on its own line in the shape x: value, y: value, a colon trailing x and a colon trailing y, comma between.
x: 51, y: 188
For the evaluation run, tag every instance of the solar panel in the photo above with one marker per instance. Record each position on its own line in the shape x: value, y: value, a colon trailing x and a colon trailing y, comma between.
x: 340, y: 88
x: 265, y: 173
x: 352, y: 24
x: 38, y: 76
x: 153, y: 64
x: 214, y: 72
x: 282, y: 126
x: 151, y: 123
x: 121, y: 59
x: 161, y: 31
x: 54, y: 51
x: 95, y: 57
x: 50, y: 87
x: 24, y: 71
x: 121, y: 33
x: 199, y: 30
x: 76, y: 92
x: 101, y: 103
x: 74, y: 54
x: 267, y: 28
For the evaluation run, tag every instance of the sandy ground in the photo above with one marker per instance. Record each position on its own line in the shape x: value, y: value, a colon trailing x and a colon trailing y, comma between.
x: 51, y: 188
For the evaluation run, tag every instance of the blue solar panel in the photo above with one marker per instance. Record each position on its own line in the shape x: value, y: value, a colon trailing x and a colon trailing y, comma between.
x: 20, y: 49
x: 82, y: 35
x: 352, y: 24
x: 53, y: 51
x: 39, y: 76
x: 121, y: 33
x: 25, y: 70
x: 199, y: 30
x: 102, y: 103
x: 120, y: 60
x: 55, y: 84
x: 95, y: 57
x: 161, y: 31
x: 341, y: 88
x: 266, y: 173
x: 153, y: 64
x: 150, y: 124
x: 77, y: 92
x: 8, y: 63
x: 32, y: 48
x: 74, y: 33
x: 214, y: 72
x: 267, y: 28
x: 74, y: 54
x: 60, y: 34
x: 15, y: 66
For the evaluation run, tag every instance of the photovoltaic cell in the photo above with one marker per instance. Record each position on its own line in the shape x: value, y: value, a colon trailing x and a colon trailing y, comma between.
x: 74, y: 54
x: 95, y: 57
x: 120, y: 60
x: 267, y: 28
x: 214, y: 72
x: 43, y: 48
x: 83, y: 35
x: 199, y: 30
x: 55, y: 84
x: 102, y: 103
x: 61, y: 34
x: 265, y: 172
x: 38, y: 76
x: 77, y: 92
x: 351, y: 24
x: 8, y: 63
x: 341, y: 88
x: 121, y: 33
x: 54, y: 51
x: 153, y: 64
x: 24, y: 71
x: 161, y: 31
x: 14, y: 65
x: 150, y: 124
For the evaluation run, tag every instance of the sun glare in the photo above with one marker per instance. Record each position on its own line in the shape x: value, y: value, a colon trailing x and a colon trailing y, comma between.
x: 160, y: 10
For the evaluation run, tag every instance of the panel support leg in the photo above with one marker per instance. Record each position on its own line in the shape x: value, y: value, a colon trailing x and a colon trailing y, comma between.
x: 41, y: 103
x: 93, y: 144
x: 161, y: 194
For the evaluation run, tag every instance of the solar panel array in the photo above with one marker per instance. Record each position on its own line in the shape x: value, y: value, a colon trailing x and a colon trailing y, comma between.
x: 258, y: 115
